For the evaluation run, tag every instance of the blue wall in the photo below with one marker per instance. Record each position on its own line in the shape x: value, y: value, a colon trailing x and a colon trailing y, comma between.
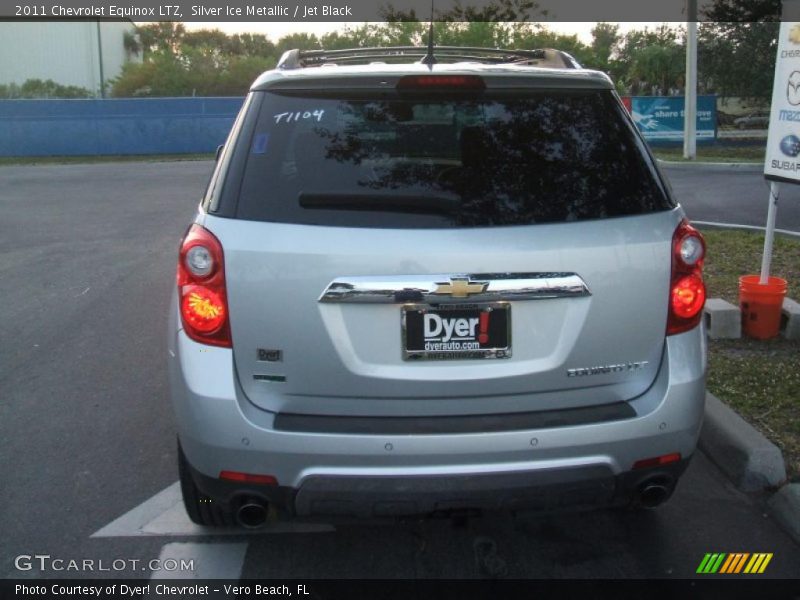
x: 124, y: 126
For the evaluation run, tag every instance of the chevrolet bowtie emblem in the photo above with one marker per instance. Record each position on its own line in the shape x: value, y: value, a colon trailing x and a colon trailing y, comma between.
x: 461, y: 287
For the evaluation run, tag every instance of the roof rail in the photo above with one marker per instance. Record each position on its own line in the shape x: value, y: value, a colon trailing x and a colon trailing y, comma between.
x: 548, y: 57
x: 290, y: 59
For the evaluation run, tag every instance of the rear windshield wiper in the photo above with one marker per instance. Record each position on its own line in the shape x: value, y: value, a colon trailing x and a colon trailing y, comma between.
x: 380, y: 202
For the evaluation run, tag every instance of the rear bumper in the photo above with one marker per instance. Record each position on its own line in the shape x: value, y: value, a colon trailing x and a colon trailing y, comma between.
x: 578, y: 488
x: 397, y: 473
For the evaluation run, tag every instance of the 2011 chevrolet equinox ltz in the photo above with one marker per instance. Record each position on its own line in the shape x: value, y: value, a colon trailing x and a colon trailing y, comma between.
x: 424, y: 286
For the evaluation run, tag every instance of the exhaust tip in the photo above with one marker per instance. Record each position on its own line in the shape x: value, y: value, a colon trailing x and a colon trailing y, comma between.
x: 653, y: 493
x: 252, y: 513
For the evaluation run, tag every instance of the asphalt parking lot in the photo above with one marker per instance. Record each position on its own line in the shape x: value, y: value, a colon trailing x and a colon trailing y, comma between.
x: 87, y: 259
x: 729, y: 195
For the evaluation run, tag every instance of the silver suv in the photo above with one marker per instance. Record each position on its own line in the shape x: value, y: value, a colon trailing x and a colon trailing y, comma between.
x: 428, y: 287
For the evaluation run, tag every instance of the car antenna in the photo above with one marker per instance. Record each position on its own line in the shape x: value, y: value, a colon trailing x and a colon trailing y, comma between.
x: 430, y: 59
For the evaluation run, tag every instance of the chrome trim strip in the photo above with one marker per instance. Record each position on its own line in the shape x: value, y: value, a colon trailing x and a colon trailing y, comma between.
x: 447, y: 288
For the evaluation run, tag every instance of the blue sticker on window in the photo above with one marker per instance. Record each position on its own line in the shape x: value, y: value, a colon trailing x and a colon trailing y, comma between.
x: 260, y: 143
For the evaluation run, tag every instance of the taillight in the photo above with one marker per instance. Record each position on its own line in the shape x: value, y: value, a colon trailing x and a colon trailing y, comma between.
x: 441, y: 83
x: 201, y: 288
x: 687, y: 292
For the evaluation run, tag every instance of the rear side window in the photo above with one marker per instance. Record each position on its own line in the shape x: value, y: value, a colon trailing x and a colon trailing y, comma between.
x: 545, y: 157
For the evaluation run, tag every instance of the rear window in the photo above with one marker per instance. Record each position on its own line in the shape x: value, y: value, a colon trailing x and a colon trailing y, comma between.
x: 545, y: 157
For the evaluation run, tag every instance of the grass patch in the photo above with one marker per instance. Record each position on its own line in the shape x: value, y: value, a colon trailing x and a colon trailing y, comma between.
x: 714, y: 153
x: 759, y: 379
x: 753, y: 154
x: 72, y: 160
x: 735, y: 253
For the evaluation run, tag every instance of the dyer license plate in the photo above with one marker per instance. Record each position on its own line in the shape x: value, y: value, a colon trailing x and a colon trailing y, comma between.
x: 460, y: 331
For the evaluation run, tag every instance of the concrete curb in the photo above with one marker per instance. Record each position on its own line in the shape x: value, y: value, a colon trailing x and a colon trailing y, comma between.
x: 785, y: 508
x: 749, y: 459
x: 746, y: 167
x: 723, y: 319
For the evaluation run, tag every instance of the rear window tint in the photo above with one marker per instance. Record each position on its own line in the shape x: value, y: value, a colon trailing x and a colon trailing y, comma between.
x: 545, y: 157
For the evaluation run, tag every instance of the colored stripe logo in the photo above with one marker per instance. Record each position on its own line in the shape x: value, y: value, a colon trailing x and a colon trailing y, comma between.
x: 734, y: 563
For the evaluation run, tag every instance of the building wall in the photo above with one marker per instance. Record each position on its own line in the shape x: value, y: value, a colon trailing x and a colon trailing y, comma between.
x: 64, y: 51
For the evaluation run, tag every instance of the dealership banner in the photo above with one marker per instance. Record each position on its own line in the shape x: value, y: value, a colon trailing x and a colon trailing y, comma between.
x: 782, y: 160
x: 660, y: 118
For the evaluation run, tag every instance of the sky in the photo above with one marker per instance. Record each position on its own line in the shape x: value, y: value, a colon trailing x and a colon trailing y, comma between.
x: 274, y: 31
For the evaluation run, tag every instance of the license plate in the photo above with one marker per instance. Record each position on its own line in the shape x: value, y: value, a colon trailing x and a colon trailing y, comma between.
x: 456, y: 332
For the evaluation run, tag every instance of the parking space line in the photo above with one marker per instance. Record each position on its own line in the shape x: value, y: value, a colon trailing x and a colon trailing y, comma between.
x: 164, y: 515
x: 744, y: 227
x: 208, y: 561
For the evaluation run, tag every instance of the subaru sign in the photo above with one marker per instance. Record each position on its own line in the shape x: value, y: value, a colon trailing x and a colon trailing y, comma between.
x: 783, y: 141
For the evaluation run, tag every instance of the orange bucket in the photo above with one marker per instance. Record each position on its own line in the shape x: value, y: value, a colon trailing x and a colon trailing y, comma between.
x: 761, y: 306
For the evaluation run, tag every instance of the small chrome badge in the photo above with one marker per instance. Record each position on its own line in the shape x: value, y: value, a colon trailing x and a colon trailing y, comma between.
x: 605, y: 369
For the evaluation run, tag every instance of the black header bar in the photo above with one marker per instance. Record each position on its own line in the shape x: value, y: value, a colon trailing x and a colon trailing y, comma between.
x: 360, y: 11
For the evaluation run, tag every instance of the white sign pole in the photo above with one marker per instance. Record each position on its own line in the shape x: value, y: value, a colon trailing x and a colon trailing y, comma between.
x: 690, y: 87
x: 774, y: 190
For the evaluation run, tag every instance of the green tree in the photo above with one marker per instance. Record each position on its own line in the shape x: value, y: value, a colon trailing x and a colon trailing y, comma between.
x: 250, y: 44
x: 302, y: 41
x: 205, y: 62
x: 405, y: 33
x: 605, y: 39
x: 209, y: 62
x: 497, y: 11
x: 240, y: 73
x: 164, y: 37
x: 364, y: 36
x: 649, y: 61
x: 658, y: 69
x: 160, y: 75
x: 37, y: 88
x: 210, y: 42
x: 535, y: 35
x: 505, y: 11
x: 737, y: 47
x: 470, y: 33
